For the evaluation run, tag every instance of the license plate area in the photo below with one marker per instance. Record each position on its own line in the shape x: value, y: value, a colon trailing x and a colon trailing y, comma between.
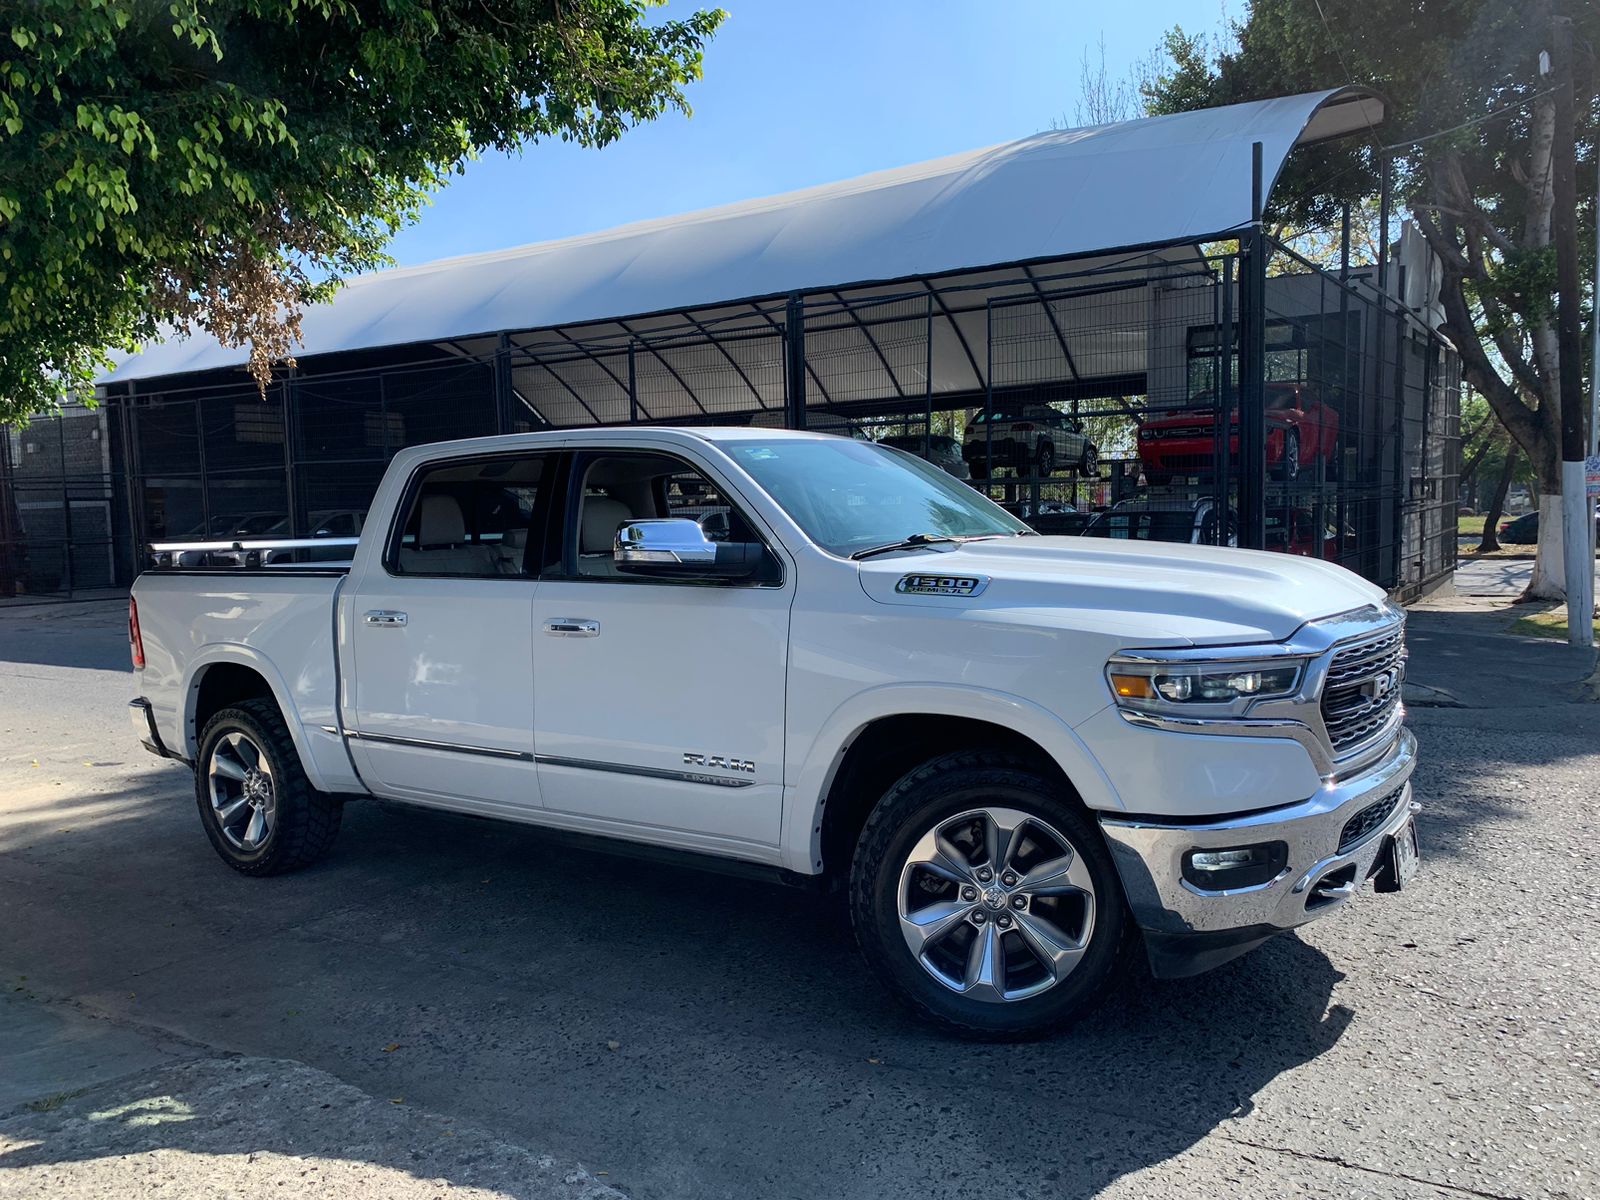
x: 1402, y: 860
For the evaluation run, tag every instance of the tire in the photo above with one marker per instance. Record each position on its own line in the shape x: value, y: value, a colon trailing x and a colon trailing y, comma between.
x: 1088, y: 918
x: 260, y: 769
x: 1289, y: 469
x: 1046, y: 460
x: 978, y: 469
x: 1088, y: 461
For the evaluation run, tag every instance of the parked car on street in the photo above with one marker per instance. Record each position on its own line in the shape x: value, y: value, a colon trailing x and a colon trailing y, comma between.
x: 1524, y: 530
x: 1301, y: 430
x: 1032, y: 441
x: 1023, y: 758
x: 943, y: 451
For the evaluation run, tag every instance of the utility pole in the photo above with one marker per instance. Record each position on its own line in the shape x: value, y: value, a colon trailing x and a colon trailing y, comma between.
x: 1577, y: 562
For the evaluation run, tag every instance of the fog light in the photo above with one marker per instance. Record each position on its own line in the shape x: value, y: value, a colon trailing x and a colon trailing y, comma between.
x: 1235, y: 866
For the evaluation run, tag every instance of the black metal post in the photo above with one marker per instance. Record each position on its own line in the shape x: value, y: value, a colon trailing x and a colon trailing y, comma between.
x: 633, y: 385
x: 66, y: 502
x: 1344, y: 243
x: 1252, y: 370
x: 1224, y: 417
x: 988, y: 398
x: 1401, y: 483
x: 502, y: 384
x: 794, y: 332
x: 291, y: 477
x: 927, y: 421
x: 205, y: 478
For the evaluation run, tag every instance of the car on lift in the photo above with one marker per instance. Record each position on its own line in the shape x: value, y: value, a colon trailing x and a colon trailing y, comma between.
x: 1301, y: 431
x: 1032, y: 440
x: 941, y: 450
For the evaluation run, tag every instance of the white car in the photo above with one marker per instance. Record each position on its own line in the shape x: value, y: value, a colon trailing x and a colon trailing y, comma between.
x: 1025, y: 758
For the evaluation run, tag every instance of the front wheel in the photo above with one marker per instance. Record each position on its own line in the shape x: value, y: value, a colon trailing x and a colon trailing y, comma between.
x: 259, y: 810
x: 1046, y: 460
x: 983, y: 896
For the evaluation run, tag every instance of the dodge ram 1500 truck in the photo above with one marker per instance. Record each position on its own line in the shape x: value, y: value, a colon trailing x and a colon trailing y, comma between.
x: 1025, y: 758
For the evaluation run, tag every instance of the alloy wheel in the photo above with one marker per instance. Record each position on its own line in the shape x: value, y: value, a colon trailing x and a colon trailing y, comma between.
x: 241, y: 789
x: 996, y: 905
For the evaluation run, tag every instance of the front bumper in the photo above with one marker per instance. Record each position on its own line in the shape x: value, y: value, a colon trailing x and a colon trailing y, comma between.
x: 1189, y: 929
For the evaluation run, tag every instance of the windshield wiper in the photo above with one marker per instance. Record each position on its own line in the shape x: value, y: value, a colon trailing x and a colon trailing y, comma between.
x: 909, y: 543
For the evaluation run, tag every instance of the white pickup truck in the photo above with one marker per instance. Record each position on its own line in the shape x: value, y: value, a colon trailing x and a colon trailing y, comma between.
x: 1025, y: 758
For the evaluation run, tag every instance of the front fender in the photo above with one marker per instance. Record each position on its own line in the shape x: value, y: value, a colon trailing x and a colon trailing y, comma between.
x: 802, y: 815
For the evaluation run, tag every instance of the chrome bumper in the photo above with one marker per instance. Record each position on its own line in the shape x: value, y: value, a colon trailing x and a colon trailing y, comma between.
x: 1189, y: 929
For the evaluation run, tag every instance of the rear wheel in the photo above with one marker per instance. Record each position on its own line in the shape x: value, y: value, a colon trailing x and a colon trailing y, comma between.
x: 979, y: 469
x: 1047, y: 459
x: 259, y: 810
x: 984, y: 897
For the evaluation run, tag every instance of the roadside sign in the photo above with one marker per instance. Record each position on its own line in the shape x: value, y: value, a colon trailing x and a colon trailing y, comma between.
x: 1591, y: 475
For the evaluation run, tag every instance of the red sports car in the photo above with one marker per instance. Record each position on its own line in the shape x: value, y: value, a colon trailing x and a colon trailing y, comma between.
x: 1301, y: 429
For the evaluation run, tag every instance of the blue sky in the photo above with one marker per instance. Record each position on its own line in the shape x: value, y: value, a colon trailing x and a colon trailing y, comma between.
x: 801, y: 92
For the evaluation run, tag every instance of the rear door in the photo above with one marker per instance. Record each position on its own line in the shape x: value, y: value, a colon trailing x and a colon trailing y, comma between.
x: 442, y: 636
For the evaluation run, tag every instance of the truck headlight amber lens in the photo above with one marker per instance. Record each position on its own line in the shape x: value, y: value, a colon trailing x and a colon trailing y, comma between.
x: 1171, y: 687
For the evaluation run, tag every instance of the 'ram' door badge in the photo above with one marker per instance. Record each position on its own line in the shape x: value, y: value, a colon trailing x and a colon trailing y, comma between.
x: 941, y: 585
x: 719, y: 762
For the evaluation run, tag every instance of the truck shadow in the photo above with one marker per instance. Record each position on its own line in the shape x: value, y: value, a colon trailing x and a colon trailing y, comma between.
x: 691, y: 1034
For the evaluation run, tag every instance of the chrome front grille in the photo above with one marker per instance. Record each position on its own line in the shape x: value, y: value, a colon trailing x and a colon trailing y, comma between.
x: 1362, y: 690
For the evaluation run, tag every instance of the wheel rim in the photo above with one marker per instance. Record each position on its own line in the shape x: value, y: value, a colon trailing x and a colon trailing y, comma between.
x: 1291, y: 457
x: 996, y: 905
x: 1047, y: 461
x: 243, y: 798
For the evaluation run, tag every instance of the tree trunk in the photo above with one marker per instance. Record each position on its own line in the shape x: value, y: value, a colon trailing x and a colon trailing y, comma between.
x: 1491, y: 522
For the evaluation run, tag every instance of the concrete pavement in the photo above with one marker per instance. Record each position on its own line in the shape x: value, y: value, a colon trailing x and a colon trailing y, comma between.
x: 703, y: 1037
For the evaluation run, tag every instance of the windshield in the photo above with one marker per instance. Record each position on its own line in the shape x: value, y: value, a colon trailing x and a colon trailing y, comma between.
x: 851, y: 496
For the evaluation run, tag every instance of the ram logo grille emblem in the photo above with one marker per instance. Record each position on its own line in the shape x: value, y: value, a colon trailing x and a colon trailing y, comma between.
x: 720, y: 762
x: 941, y: 585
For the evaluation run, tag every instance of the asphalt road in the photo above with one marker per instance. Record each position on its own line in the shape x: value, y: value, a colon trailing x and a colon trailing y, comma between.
x: 695, y: 1036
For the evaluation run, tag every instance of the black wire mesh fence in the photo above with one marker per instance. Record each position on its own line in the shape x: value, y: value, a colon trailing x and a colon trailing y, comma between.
x: 1103, y: 400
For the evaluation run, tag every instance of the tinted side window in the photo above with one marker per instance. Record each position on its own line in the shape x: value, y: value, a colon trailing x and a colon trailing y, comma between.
x: 475, y: 518
x: 633, y: 486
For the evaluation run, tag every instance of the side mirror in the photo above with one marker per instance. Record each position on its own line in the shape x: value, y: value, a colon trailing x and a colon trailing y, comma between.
x: 677, y: 548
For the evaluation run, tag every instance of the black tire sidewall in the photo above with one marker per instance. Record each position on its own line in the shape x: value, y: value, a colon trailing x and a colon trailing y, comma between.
x: 919, y: 802
x: 305, y: 821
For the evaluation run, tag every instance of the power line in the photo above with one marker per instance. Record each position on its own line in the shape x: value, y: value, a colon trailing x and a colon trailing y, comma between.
x: 1499, y: 112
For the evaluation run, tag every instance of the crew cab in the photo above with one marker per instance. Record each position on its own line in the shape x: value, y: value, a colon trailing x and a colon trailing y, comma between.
x: 1025, y: 759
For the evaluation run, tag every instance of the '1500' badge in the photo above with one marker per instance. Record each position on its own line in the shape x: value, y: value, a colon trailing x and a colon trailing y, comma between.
x: 941, y: 585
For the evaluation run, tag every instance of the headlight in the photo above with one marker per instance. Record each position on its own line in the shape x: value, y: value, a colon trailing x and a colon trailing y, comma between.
x: 1201, y: 687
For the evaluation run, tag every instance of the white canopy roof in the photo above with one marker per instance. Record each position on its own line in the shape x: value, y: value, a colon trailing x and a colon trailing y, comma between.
x: 1054, y: 195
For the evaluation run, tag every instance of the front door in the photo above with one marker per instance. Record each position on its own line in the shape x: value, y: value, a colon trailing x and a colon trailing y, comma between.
x: 659, y: 705
x: 442, y: 634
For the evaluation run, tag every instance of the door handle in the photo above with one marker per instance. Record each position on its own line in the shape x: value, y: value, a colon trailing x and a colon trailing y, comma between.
x: 571, y: 627
x: 387, y: 617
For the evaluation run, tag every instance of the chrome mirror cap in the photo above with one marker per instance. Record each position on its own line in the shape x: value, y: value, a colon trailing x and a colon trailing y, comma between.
x: 671, y: 540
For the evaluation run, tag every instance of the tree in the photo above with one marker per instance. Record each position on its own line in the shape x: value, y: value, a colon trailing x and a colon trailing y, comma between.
x: 1471, y: 134
x: 166, y: 165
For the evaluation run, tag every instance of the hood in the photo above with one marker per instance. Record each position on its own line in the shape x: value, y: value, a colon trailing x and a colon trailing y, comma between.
x: 1152, y: 593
